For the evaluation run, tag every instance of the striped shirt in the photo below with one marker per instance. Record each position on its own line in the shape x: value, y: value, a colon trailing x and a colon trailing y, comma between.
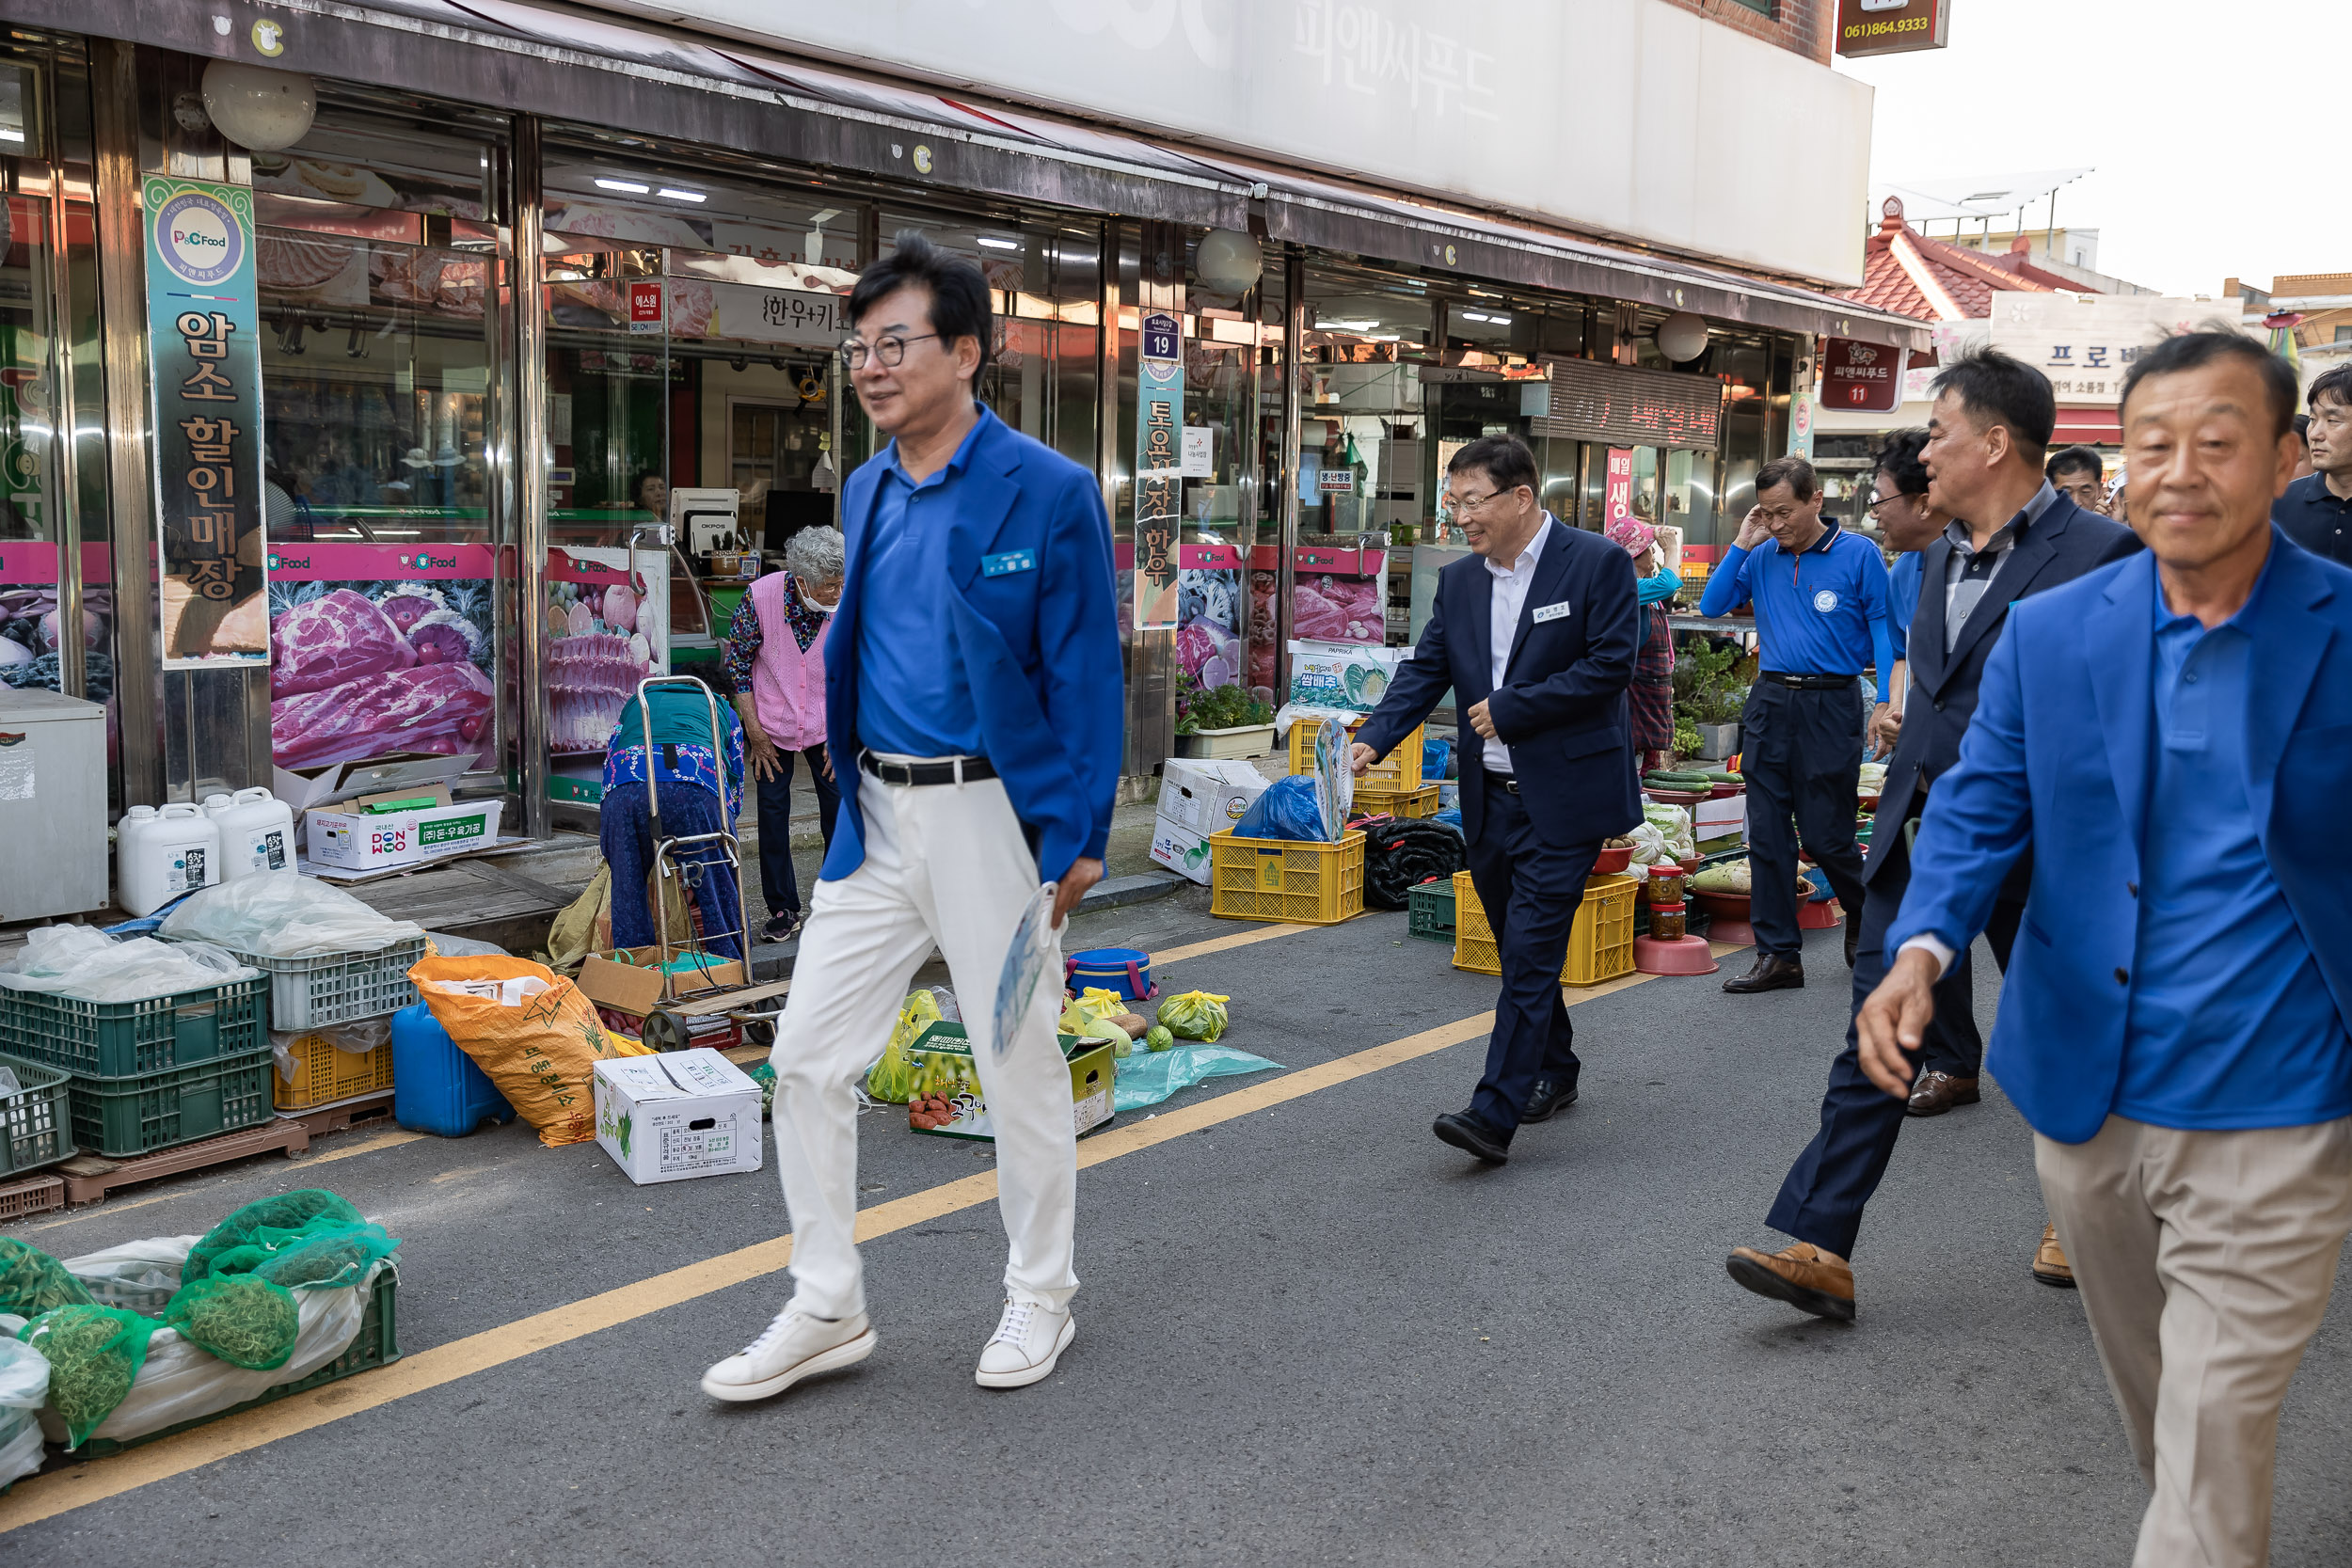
x: 1968, y: 575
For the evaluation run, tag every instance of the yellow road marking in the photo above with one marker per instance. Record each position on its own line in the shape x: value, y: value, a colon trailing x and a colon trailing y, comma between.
x: 382, y: 1140
x: 1226, y: 944
x: 44, y: 1497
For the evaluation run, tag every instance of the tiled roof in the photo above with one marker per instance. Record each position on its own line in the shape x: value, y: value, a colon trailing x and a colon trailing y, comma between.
x: 1905, y: 272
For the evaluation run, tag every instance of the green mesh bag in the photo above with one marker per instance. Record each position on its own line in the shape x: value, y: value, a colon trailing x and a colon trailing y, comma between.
x: 242, y: 1319
x: 32, y: 1282
x: 237, y: 1244
x: 324, y: 1259
x: 94, y: 1353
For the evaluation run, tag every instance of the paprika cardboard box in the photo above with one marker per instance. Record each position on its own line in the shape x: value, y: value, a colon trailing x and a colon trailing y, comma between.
x: 680, y: 1113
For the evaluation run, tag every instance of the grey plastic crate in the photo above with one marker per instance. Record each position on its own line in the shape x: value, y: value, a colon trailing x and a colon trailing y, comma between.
x: 337, y: 987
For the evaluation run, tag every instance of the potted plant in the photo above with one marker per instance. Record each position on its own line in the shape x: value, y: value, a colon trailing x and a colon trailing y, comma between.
x: 1221, y: 721
x: 1708, y: 696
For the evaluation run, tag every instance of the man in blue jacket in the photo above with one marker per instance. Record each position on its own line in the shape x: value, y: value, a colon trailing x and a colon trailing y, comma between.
x: 1536, y: 632
x: 2177, y: 1028
x: 972, y: 695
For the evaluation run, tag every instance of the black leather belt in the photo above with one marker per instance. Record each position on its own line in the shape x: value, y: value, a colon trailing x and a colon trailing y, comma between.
x: 1809, y: 682
x: 1507, y: 781
x: 963, y: 770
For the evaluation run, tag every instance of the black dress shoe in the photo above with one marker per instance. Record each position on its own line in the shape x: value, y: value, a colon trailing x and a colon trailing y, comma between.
x: 1547, y: 1099
x: 1772, y: 972
x: 1853, y: 935
x: 1472, y: 1136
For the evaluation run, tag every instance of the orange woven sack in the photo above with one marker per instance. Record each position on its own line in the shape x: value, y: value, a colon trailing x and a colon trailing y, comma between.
x: 539, y: 1042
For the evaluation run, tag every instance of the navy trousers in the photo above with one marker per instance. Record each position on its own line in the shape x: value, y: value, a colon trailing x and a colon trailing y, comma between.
x: 625, y: 830
x: 1800, y: 753
x: 1822, y: 1201
x: 777, y: 881
x: 1530, y: 890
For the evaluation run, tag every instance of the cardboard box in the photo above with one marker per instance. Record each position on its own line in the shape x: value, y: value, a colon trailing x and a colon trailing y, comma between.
x: 357, y: 840
x: 687, y: 1113
x: 1726, y: 818
x: 1181, y: 850
x: 305, y: 787
x: 1199, y: 797
x: 640, y: 984
x: 943, y: 1065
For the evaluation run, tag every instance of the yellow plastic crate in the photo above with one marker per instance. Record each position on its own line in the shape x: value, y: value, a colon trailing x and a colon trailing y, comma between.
x: 324, y: 1075
x: 1300, y: 882
x: 1400, y: 773
x: 1410, y: 803
x: 1600, y: 944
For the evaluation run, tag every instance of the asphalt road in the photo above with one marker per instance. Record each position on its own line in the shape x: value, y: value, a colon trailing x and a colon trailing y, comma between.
x: 1307, y: 1334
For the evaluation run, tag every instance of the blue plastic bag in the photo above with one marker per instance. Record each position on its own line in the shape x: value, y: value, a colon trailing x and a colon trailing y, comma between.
x: 1436, y: 756
x: 1148, y: 1077
x: 1290, y: 808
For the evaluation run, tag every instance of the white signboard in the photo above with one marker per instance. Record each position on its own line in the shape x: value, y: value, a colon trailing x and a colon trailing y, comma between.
x: 1198, y: 461
x: 751, y: 313
x: 2084, y: 343
x: 1678, y: 129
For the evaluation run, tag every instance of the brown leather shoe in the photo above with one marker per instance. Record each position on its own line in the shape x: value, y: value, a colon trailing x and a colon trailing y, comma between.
x: 1770, y: 971
x: 1802, y: 1275
x: 2049, y: 1261
x: 1938, y: 1092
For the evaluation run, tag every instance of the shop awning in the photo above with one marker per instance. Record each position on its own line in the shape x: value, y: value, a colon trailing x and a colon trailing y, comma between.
x: 569, y: 65
x: 2088, y: 426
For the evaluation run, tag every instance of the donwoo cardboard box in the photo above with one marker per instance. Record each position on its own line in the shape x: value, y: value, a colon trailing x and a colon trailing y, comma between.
x: 681, y: 1113
x: 375, y: 840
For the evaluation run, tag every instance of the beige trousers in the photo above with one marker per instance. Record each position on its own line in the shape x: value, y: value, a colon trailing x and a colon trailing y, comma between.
x: 2205, y: 1262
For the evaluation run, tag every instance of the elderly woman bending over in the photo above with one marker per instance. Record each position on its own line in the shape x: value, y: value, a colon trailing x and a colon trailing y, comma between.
x: 776, y: 658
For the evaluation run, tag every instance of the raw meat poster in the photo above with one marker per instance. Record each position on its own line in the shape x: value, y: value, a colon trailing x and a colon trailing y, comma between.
x: 1209, y: 613
x: 380, y: 649
x: 608, y: 627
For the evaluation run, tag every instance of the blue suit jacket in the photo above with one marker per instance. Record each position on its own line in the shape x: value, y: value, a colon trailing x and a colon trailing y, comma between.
x: 1561, y: 708
x: 2059, y: 757
x: 1039, y: 645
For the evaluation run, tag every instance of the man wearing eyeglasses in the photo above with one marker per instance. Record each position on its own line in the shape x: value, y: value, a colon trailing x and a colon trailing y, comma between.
x: 1820, y: 615
x: 1536, y: 633
x: 972, y: 694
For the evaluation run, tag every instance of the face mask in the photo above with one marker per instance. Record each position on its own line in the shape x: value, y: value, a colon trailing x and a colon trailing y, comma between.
x: 810, y: 601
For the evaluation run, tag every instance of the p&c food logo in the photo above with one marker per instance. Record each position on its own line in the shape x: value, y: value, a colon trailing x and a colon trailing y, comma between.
x: 200, y: 241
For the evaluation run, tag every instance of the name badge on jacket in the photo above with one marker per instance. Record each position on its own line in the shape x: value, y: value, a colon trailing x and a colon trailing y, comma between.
x: 1011, y: 560
x: 1552, y: 612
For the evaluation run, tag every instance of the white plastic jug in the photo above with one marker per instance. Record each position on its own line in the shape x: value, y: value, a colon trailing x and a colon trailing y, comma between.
x: 161, y: 855
x: 256, y: 833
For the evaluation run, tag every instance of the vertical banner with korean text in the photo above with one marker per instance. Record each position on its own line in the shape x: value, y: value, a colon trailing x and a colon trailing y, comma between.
x: 1159, y: 467
x: 1617, y: 488
x: 205, y: 366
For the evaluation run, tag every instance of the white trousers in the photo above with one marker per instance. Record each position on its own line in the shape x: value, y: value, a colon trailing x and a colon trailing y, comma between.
x: 2204, y: 1260
x: 945, y: 863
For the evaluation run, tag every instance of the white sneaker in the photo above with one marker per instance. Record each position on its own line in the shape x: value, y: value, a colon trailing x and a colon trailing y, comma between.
x: 795, y: 1345
x: 1029, y: 1338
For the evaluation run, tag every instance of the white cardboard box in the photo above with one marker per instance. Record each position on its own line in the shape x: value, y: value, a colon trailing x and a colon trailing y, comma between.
x: 1714, y: 818
x: 356, y: 841
x: 1204, y: 797
x: 1180, y: 849
x: 681, y: 1113
x: 303, y: 788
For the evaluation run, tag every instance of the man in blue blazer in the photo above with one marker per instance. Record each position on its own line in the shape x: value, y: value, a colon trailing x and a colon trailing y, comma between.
x: 1536, y: 634
x: 2163, y: 734
x: 973, y: 695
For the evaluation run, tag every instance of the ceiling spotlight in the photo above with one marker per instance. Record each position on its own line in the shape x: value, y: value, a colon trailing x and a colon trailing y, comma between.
x: 635, y: 188
x: 1475, y: 316
x: 681, y: 196
x: 994, y: 243
x: 1499, y: 321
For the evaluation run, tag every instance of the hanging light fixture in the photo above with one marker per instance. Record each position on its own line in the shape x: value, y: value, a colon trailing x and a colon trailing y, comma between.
x: 1228, y: 262
x: 1682, y: 337
x: 260, y: 109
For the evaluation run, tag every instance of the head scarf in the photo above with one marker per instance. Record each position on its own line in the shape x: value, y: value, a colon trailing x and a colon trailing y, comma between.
x: 1633, y: 537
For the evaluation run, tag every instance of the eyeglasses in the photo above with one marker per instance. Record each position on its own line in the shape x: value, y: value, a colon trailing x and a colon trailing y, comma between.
x: 1471, y: 503
x: 891, y: 351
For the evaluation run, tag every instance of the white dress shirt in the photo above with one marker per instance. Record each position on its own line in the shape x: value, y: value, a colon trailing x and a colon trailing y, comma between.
x: 1503, y: 626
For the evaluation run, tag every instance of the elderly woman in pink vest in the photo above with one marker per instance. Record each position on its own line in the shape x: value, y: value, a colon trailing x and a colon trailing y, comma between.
x: 776, y: 658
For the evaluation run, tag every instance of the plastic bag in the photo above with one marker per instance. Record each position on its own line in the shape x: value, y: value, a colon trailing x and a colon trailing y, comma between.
x: 94, y: 1354
x: 541, y: 1052
x: 447, y: 946
x: 24, y: 1389
x: 32, y: 1282
x: 1197, y: 1015
x: 83, y: 963
x: 138, y: 1276
x: 892, y: 1076
x: 10, y: 1086
x: 1146, y: 1078
x: 246, y: 1321
x: 1290, y: 808
x: 1674, y: 824
x: 355, y: 1038
x: 283, y: 1212
x: 1088, y: 1017
x: 284, y: 914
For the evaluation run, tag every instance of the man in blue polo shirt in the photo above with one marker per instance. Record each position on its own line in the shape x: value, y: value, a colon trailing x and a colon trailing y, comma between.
x: 2317, y: 511
x: 1820, y: 613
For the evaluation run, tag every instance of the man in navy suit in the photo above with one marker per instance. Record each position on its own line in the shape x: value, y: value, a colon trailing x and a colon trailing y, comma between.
x: 2012, y: 534
x: 2164, y: 733
x: 1536, y: 632
x: 971, y: 679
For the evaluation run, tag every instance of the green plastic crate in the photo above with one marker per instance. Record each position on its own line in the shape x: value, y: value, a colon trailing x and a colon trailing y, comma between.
x: 376, y: 1345
x: 34, y: 1122
x: 147, y: 1111
x: 1429, y: 912
x: 117, y: 1040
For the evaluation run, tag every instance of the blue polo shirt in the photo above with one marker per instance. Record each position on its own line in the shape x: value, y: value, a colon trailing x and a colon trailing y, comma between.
x: 2315, y: 519
x: 2230, y: 1023
x: 1903, y: 598
x: 1820, y: 613
x: 912, y: 697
